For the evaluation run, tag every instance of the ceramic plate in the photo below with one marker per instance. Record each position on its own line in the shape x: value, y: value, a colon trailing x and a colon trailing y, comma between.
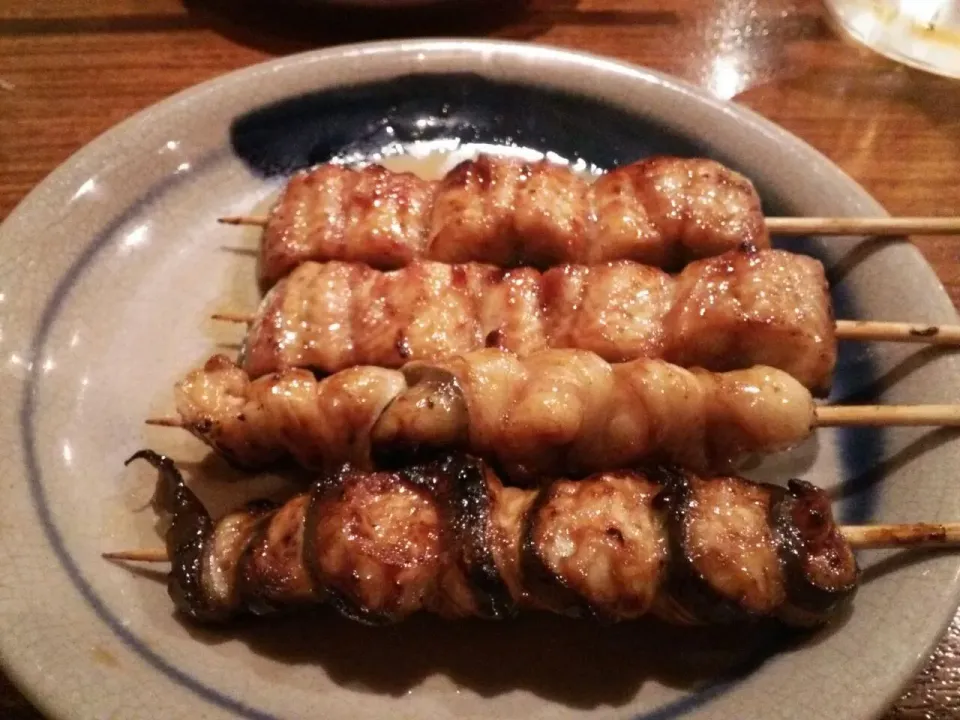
x: 110, y: 267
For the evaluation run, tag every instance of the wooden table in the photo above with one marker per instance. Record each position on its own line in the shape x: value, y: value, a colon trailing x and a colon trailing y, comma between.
x: 70, y: 69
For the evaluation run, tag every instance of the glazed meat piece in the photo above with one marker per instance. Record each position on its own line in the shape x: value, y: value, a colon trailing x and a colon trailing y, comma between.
x: 447, y: 537
x: 667, y: 211
x: 755, y: 308
x: 332, y: 316
x: 556, y: 411
x: 332, y: 212
x: 509, y: 212
x: 712, y: 520
x: 260, y: 423
x: 743, y: 308
x: 663, y: 211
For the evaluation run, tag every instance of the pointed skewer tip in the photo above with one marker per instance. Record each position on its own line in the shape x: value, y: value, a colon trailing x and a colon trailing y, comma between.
x: 149, y: 555
x: 165, y: 422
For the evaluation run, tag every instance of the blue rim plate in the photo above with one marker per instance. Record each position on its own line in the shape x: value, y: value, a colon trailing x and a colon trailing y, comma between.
x: 110, y: 267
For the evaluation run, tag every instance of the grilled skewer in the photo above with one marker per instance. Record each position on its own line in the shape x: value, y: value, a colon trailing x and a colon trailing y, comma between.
x: 556, y: 412
x: 743, y: 308
x: 449, y: 538
x: 661, y: 211
x: 828, y: 226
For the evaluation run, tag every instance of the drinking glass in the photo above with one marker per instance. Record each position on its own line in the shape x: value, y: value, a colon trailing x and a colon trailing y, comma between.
x: 921, y: 33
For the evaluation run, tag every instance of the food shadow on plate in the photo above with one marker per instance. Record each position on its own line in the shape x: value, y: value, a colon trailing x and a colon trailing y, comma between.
x: 865, y: 481
x: 902, y: 559
x: 858, y: 254
x: 576, y: 662
x: 865, y: 388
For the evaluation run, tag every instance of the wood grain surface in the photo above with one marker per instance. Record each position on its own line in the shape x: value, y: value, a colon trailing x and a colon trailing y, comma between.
x: 70, y: 69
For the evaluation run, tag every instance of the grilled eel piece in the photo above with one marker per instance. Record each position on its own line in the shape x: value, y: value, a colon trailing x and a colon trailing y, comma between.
x: 745, y: 307
x: 662, y: 211
x: 550, y: 413
x: 447, y: 537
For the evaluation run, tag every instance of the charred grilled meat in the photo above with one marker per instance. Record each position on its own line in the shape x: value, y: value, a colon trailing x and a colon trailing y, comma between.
x: 662, y: 211
x: 447, y: 537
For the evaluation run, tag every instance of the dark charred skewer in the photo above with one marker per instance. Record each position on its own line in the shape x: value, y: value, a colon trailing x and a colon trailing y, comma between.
x: 448, y: 537
x: 860, y: 537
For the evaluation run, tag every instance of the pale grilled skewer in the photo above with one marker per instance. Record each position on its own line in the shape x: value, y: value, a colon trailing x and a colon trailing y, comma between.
x: 556, y: 412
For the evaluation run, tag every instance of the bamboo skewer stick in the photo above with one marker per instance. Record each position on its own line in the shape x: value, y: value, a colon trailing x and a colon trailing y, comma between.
x: 165, y: 422
x: 883, y: 415
x: 866, y: 330
x: 915, y: 535
x: 149, y: 555
x: 861, y: 330
x: 243, y: 220
x: 232, y: 317
x: 826, y: 416
x: 864, y: 226
x: 788, y: 225
x: 860, y: 537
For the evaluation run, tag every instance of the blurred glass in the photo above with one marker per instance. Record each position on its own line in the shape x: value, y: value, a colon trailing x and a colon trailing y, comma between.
x: 921, y: 33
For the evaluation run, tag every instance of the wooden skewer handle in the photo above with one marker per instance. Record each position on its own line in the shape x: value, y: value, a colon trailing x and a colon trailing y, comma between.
x: 826, y: 416
x: 915, y: 536
x: 861, y: 537
x: 150, y: 555
x: 232, y: 317
x: 172, y: 422
x: 789, y: 225
x: 881, y: 415
x: 859, y: 330
x: 865, y: 226
x: 866, y: 330
x: 243, y: 220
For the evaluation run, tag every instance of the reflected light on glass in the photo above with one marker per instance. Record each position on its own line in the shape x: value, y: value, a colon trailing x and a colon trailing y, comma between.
x: 48, y: 365
x: 726, y: 80
x: 67, y: 454
x: 172, y: 144
x: 923, y: 11
x: 183, y: 167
